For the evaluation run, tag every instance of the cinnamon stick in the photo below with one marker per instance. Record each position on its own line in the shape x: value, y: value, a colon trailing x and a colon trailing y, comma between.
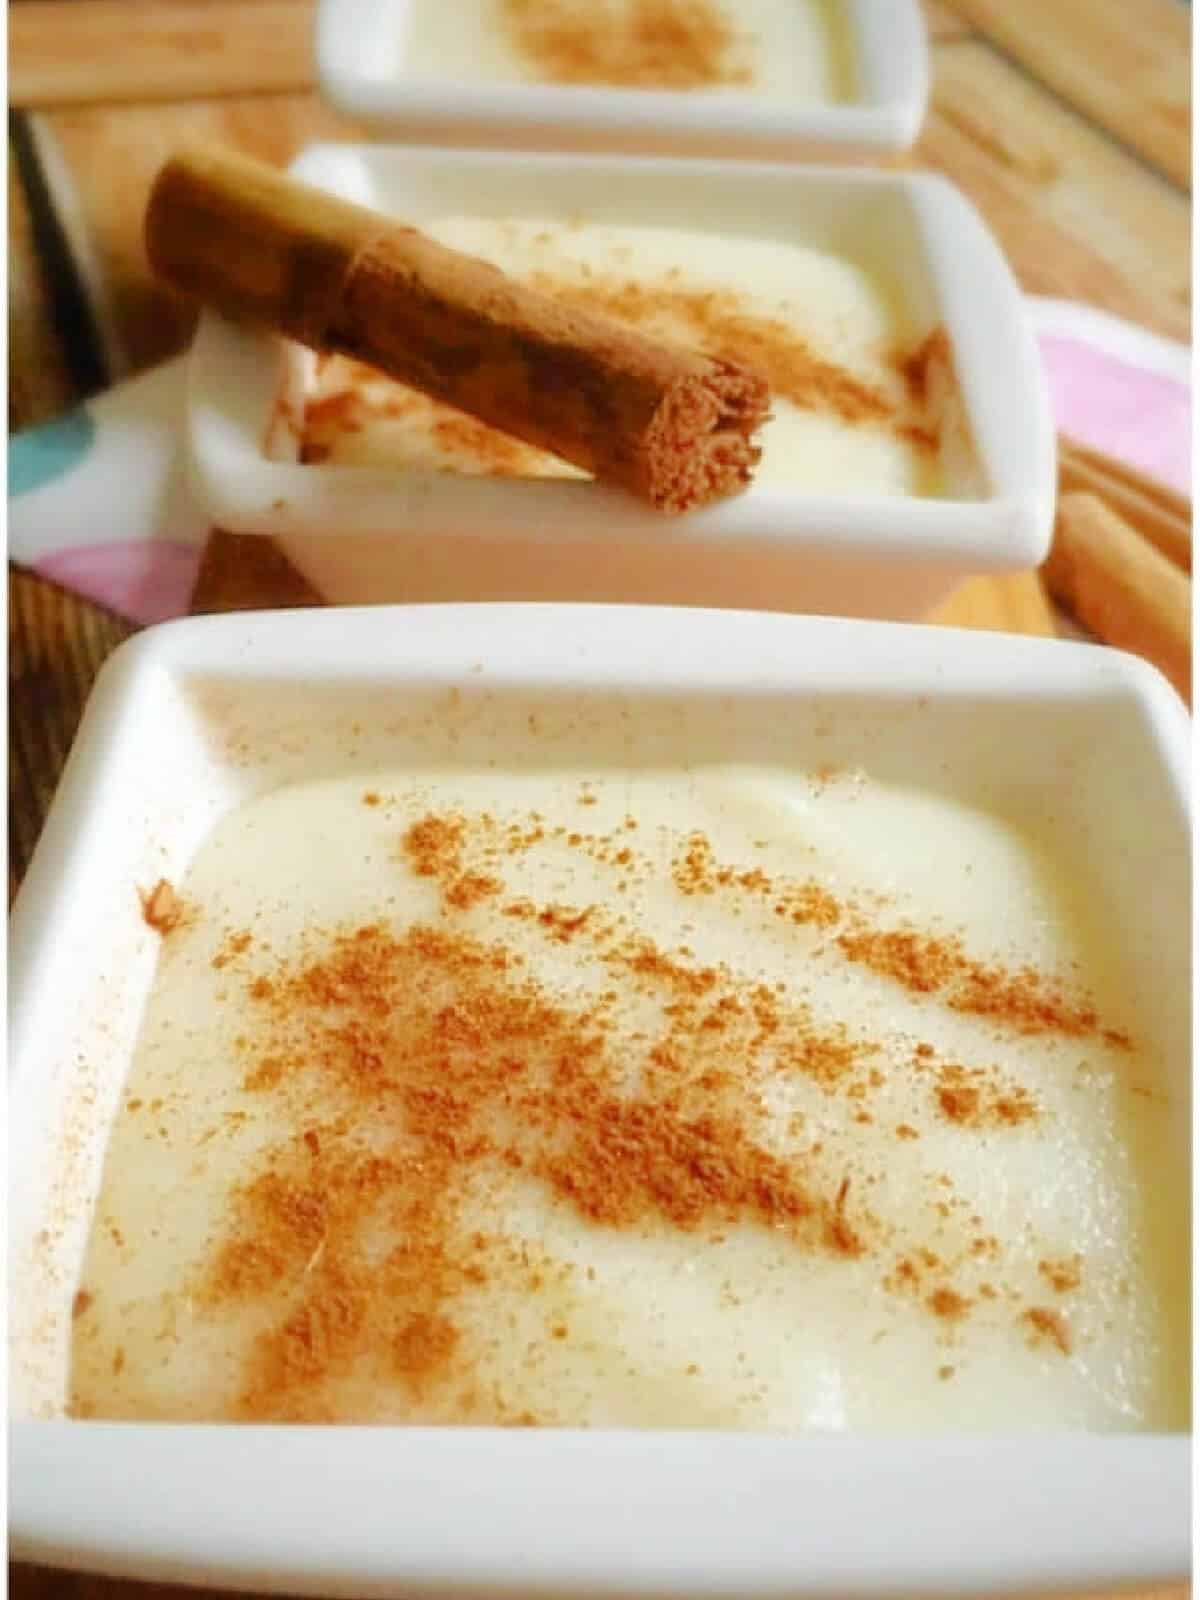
x: 1153, y: 509
x: 671, y: 426
x: 1134, y: 478
x: 1115, y: 583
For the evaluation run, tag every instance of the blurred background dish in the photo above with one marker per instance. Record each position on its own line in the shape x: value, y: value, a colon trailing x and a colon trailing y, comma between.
x: 787, y: 79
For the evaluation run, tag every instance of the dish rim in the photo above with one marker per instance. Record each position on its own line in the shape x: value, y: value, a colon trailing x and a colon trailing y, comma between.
x: 893, y: 64
x: 543, y: 1504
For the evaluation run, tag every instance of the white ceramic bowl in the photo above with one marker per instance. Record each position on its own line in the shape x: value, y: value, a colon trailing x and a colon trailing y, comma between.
x: 363, y: 66
x: 363, y: 534
x: 194, y: 717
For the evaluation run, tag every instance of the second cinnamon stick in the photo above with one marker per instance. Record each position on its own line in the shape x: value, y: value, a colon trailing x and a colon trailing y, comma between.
x: 670, y: 425
x: 1121, y: 587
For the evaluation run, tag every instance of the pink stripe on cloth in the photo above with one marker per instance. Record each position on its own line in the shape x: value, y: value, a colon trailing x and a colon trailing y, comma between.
x: 146, y: 580
x: 1142, y: 418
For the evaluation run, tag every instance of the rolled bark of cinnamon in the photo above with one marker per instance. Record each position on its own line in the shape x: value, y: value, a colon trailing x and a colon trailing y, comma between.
x: 1127, y: 592
x: 1152, y: 509
x: 670, y: 425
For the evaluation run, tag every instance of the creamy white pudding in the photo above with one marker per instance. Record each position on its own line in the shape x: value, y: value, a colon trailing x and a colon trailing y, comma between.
x: 743, y: 1097
x: 792, y: 50
x: 853, y: 407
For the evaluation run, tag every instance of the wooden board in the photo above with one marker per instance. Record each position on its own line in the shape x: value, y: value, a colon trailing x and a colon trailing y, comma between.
x: 56, y: 645
x: 1126, y: 67
x: 944, y: 22
x: 176, y: 49
x: 183, y: 48
x: 1077, y: 215
x: 38, y: 1583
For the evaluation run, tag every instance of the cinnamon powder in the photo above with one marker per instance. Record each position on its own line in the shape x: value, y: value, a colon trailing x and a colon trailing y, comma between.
x: 459, y: 1063
x: 421, y: 1065
x: 1024, y: 1000
x: 1048, y: 1327
x: 162, y: 909
x: 978, y: 1097
x: 716, y: 322
x: 631, y: 44
x: 1063, y: 1275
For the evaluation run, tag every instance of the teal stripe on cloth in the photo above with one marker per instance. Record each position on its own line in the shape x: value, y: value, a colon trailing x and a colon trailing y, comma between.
x: 39, y: 455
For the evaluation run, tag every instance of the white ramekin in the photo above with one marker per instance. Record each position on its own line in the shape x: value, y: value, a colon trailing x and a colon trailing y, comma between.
x: 372, y: 534
x: 361, y: 67
x: 192, y: 718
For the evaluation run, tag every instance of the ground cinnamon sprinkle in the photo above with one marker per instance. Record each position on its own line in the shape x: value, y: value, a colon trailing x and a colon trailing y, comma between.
x: 564, y: 922
x: 499, y: 454
x: 979, y: 1098
x: 235, y: 945
x: 450, y: 1063
x: 1063, y: 1275
x: 948, y: 1305
x: 633, y: 44
x: 343, y: 411
x: 434, y: 845
x: 716, y: 322
x: 1049, y: 1326
x: 1024, y: 1000
x: 917, y: 366
x: 162, y: 909
x: 470, y: 888
x: 695, y: 870
x: 425, y: 1071
x: 808, y: 904
x: 959, y: 1102
x: 365, y: 396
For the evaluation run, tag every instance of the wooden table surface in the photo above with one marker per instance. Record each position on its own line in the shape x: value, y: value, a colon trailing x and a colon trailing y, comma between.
x: 1067, y: 121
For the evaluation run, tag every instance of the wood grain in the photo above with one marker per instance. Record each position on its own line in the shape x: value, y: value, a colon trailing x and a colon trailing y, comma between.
x: 113, y: 50
x: 27, y: 1582
x: 40, y: 384
x: 1046, y: 257
x: 943, y: 22
x: 1167, y: 527
x: 1126, y: 67
x: 246, y: 572
x: 56, y: 645
x: 40, y: 1583
x: 1015, y: 603
x: 1077, y: 215
x: 124, y: 50
x: 1122, y: 588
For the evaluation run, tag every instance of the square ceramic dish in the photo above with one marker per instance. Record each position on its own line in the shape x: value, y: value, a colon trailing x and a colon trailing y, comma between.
x: 366, y: 69
x: 193, y: 718
x: 364, y: 534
